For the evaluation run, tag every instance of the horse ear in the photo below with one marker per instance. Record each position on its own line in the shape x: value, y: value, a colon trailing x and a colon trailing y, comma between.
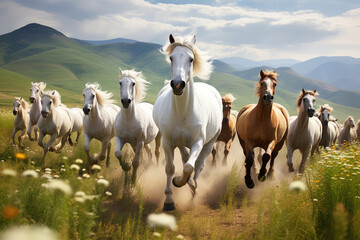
x: 121, y: 73
x: 53, y: 93
x: 303, y: 90
x: 41, y: 93
x: 314, y: 91
x: 262, y: 74
x: 171, y: 38
x: 193, y: 40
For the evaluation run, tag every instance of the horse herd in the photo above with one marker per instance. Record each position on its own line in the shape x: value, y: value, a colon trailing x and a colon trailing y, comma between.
x: 187, y: 115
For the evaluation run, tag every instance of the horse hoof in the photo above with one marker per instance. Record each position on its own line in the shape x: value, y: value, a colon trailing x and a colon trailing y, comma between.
x: 291, y: 169
x: 261, y: 178
x: 126, y: 167
x: 169, y: 207
x: 52, y: 149
x: 249, y: 182
x: 174, y: 183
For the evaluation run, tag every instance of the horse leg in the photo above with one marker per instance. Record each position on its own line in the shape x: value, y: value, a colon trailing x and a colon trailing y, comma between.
x: 305, y: 155
x: 47, y: 146
x: 108, y: 155
x: 40, y: 141
x: 272, y: 160
x: 36, y: 132
x: 148, y: 151
x: 265, y: 159
x: 157, y: 147
x: 29, y: 131
x: 13, y: 135
x: 119, y: 146
x: 78, y: 132
x: 196, y: 148
x: 213, y: 155
x: 21, y: 137
x: 62, y: 143
x: 169, y: 169
x: 87, y: 140
x: 104, y: 147
x: 139, y: 146
x: 226, y: 151
x: 185, y: 154
x: 249, y: 161
x: 289, y: 157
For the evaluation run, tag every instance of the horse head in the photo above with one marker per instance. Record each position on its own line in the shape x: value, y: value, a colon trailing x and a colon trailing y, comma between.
x: 227, y: 101
x: 306, y: 100
x: 349, y: 122
x: 35, y: 91
x: 16, y: 105
x: 266, y: 86
x: 127, y: 89
x: 89, y: 99
x: 49, y: 100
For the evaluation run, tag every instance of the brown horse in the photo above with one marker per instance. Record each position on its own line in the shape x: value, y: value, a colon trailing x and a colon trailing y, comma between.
x: 228, y: 128
x: 263, y: 125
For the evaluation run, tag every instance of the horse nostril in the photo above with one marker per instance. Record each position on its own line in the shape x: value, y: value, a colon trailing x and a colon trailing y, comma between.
x: 129, y: 101
x: 122, y: 101
x: 172, y: 84
x: 272, y: 97
x: 182, y: 84
x: 264, y: 97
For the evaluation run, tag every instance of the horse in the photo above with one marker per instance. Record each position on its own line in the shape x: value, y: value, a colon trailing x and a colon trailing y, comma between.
x: 263, y: 125
x: 187, y: 113
x: 100, y: 113
x: 77, y: 115
x: 134, y: 124
x: 305, y: 130
x: 330, y: 131
x: 21, y: 122
x: 348, y: 133
x: 228, y: 129
x: 55, y: 120
x: 357, y: 130
x: 35, y: 110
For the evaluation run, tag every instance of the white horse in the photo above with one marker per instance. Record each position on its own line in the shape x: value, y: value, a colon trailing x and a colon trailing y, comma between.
x: 330, y: 129
x: 100, y: 113
x: 188, y: 114
x: 305, y: 130
x: 21, y: 122
x: 347, y: 133
x: 77, y: 115
x: 35, y: 110
x: 134, y: 124
x: 55, y: 120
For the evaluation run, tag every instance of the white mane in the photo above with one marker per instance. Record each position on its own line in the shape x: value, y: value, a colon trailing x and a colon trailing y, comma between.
x: 202, y: 64
x: 103, y: 97
x: 141, y: 84
x: 54, y: 95
x: 40, y: 85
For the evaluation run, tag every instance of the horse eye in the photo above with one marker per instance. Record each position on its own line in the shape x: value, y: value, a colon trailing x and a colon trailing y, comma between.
x: 120, y: 83
x: 304, y: 99
x: 274, y: 84
x: 261, y: 84
x: 191, y: 60
x: 50, y: 102
x: 170, y: 58
x: 37, y: 90
x: 133, y: 84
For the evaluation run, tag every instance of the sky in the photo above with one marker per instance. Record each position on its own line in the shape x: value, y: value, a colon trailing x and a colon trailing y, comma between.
x: 253, y: 29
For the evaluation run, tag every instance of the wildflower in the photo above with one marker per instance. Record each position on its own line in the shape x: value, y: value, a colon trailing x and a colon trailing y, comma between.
x: 75, y: 167
x: 62, y: 170
x: 90, y: 197
x: 8, y: 172
x: 32, y: 162
x: 37, y: 170
x: 79, y: 161
x: 48, y: 170
x: 96, y: 167
x: 30, y: 174
x: 79, y: 178
x: 79, y: 199
x: 58, y: 185
x: 56, y: 176
x: 297, y: 186
x: 80, y: 194
x: 180, y: 236
x: 47, y: 176
x: 64, y: 158
x: 315, y: 200
x: 84, y: 169
x: 103, y: 182
x: 20, y: 156
x: 28, y: 232
x: 10, y: 212
x: 162, y: 220
x: 108, y: 193
x: 86, y: 175
x: 156, y: 234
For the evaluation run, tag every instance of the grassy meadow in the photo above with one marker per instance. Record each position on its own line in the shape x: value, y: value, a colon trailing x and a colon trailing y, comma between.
x: 73, y: 200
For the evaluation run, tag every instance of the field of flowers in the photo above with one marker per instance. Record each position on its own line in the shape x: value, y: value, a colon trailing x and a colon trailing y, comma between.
x: 64, y: 198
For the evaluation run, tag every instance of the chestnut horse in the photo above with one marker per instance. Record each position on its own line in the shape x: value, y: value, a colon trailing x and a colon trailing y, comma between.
x: 263, y: 125
x: 228, y: 128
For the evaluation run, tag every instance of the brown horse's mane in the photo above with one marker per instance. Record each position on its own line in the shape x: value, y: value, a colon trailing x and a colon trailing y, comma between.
x: 325, y: 107
x: 267, y: 74
x: 302, y: 94
x: 228, y: 98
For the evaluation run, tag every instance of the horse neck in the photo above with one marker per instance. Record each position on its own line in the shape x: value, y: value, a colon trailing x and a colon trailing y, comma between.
x: 37, y: 105
x: 130, y: 112
x: 96, y: 112
x: 184, y: 103
x: 22, y: 112
x: 303, y: 119
x: 263, y: 111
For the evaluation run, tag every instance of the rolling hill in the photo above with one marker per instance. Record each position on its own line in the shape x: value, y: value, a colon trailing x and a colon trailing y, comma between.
x: 39, y: 53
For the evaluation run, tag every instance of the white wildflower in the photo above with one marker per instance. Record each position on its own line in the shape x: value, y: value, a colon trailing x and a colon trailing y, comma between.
x: 162, y: 220
x: 86, y: 175
x: 96, y: 167
x: 56, y: 176
x: 79, y: 178
x: 84, y: 169
x: 79, y: 161
x: 156, y: 234
x: 180, y: 236
x: 62, y: 170
x: 297, y: 186
x: 103, y: 182
x: 28, y: 232
x: 79, y: 199
x: 59, y: 185
x: 315, y: 200
x: 64, y: 158
x: 47, y: 170
x: 37, y: 170
x: 47, y: 176
x: 8, y: 172
x: 80, y: 194
x: 30, y: 174
x: 75, y: 167
x: 108, y: 193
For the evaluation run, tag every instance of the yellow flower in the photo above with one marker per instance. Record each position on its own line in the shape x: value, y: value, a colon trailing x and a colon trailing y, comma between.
x: 10, y: 212
x: 20, y: 156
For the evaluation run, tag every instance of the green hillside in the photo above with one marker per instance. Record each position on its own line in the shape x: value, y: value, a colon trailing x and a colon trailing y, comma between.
x: 39, y: 53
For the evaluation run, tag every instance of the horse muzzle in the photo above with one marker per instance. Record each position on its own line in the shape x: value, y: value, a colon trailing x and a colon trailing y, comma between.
x: 44, y: 114
x: 268, y: 98
x: 32, y: 100
x: 15, y: 112
x: 310, y: 112
x: 177, y: 86
x: 125, y: 102
x: 326, y: 122
x: 86, y: 110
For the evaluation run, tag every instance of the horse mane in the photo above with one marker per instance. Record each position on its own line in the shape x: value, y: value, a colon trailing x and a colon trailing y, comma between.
x: 40, y: 85
x: 103, y: 97
x: 24, y: 104
x: 202, y: 64
x: 54, y: 95
x: 267, y: 74
x: 141, y: 84
x: 348, y: 120
x: 325, y: 107
x: 228, y: 98
x: 302, y: 95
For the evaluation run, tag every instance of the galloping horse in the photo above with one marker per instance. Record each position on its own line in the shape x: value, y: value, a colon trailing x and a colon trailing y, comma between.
x: 263, y: 125
x: 100, y: 114
x: 305, y: 130
x: 55, y: 120
x: 134, y: 124
x: 228, y: 128
x: 187, y: 113
x: 35, y: 110
x: 21, y: 122
x: 330, y: 131
x: 348, y: 133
